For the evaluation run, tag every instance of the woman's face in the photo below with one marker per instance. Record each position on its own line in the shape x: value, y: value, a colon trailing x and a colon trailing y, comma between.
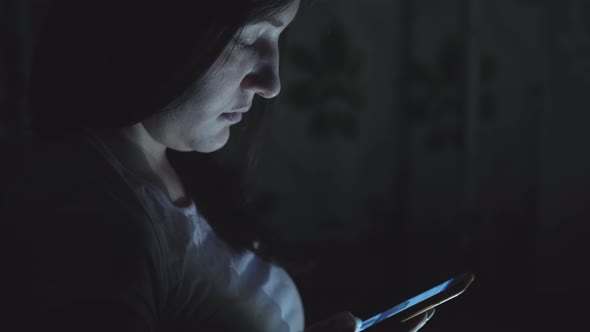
x: 247, y: 68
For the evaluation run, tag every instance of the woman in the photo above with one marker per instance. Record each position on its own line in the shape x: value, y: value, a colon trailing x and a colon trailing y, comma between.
x: 118, y: 219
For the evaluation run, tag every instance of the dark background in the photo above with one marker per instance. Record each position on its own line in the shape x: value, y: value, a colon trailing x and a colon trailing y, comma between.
x: 414, y: 140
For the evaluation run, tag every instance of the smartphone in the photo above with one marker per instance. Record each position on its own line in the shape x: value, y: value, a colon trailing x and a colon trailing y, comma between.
x: 423, y: 301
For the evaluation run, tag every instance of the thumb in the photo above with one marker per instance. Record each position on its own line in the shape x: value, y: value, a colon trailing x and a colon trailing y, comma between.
x: 340, y: 322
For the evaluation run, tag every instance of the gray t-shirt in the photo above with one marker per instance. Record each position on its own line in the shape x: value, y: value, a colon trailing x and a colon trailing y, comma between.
x: 214, y: 287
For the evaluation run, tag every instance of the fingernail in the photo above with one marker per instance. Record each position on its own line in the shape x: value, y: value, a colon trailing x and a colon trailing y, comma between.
x: 430, y: 314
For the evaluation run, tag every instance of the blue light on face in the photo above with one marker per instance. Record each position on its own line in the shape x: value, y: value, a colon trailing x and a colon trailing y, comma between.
x: 406, y: 304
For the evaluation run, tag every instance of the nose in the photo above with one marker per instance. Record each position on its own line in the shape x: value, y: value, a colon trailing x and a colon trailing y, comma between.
x: 263, y: 79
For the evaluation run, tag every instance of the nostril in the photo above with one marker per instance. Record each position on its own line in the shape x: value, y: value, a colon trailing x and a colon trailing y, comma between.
x: 265, y: 83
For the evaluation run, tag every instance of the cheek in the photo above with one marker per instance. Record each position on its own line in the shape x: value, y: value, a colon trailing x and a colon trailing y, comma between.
x: 239, y: 64
x: 169, y: 127
x: 197, y: 109
x: 198, y: 119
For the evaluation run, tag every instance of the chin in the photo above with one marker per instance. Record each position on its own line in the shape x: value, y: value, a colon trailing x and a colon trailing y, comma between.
x: 214, y: 143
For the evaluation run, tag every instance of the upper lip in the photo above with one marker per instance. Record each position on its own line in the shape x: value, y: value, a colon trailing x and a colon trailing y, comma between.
x: 240, y: 109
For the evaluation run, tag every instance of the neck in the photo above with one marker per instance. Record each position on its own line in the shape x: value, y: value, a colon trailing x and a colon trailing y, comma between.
x: 153, y: 152
x: 139, y: 152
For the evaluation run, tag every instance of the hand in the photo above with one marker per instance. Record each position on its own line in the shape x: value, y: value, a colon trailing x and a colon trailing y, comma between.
x: 346, y: 322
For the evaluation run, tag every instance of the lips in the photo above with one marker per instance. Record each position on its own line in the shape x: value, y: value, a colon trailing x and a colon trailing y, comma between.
x: 241, y: 110
x: 235, y: 115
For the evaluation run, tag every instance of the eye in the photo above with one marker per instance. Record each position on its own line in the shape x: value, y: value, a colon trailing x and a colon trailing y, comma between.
x: 243, y: 43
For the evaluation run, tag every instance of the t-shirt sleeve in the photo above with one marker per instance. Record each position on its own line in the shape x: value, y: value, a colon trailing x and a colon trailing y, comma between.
x: 87, y: 267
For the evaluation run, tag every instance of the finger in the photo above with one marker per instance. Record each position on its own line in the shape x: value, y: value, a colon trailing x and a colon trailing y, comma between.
x: 411, y: 325
x: 430, y: 313
x: 417, y: 323
x: 340, y: 322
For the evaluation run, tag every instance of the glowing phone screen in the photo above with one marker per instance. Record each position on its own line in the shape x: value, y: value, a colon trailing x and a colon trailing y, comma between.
x: 415, y: 300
